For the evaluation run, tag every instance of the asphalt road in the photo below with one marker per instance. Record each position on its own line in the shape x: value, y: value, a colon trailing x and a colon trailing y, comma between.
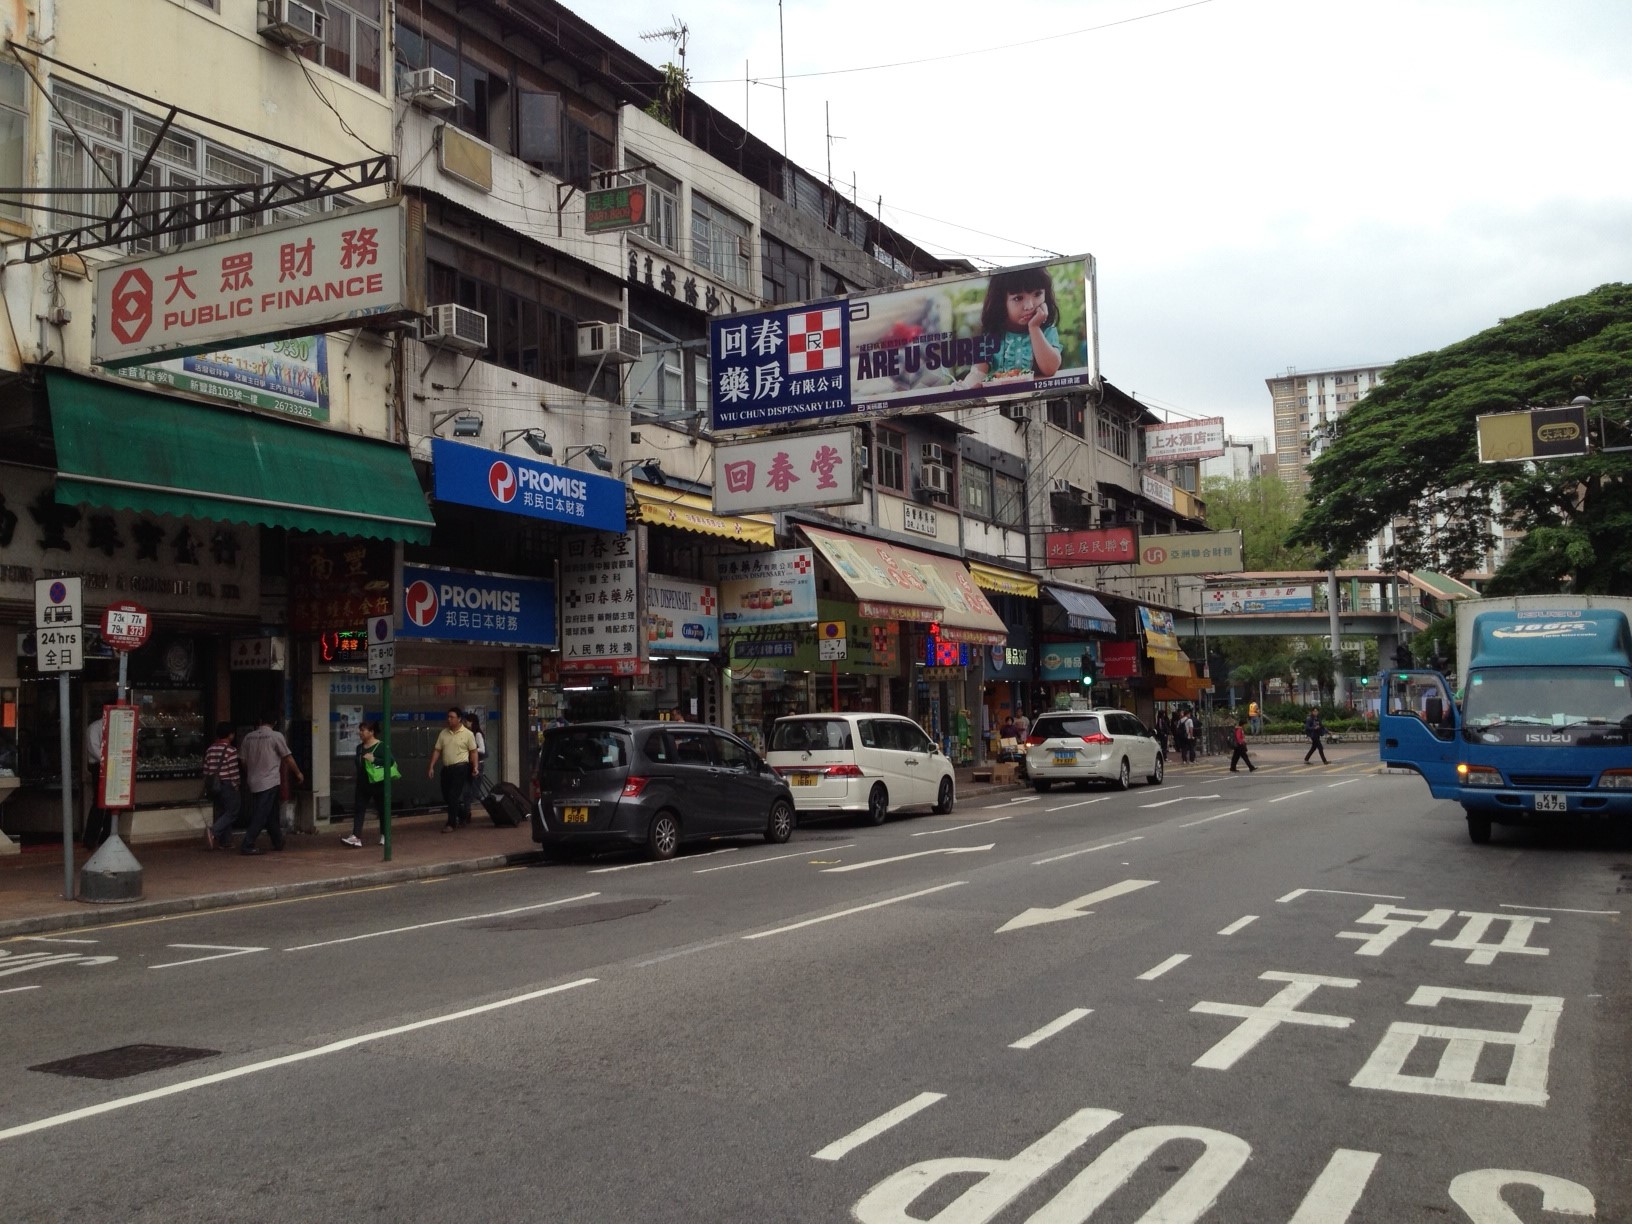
x: 1300, y: 995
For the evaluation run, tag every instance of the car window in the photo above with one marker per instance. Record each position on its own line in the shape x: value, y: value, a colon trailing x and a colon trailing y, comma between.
x: 867, y: 729
x: 913, y: 738
x: 1123, y: 724
x: 584, y: 750
x: 1068, y: 728
x: 811, y: 734
x: 692, y: 747
x: 734, y: 754
x: 659, y: 748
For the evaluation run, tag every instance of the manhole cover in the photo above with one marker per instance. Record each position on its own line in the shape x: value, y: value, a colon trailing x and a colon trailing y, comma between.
x: 578, y: 915
x: 121, y: 1062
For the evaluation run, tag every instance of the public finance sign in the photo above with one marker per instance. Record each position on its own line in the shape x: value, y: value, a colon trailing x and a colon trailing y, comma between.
x: 492, y: 480
x: 296, y: 279
x: 774, y: 588
x: 1193, y: 552
x: 1203, y: 439
x: 815, y: 469
x: 682, y: 617
x: 465, y: 606
x: 1234, y: 601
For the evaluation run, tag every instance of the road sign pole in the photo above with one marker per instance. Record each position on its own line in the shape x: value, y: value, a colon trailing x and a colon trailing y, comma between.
x: 65, y: 744
x: 835, y: 666
x: 385, y: 798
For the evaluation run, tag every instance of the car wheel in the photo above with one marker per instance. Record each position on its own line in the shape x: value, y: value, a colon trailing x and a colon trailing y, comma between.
x: 1479, y: 830
x: 943, y: 802
x: 1155, y: 779
x: 780, y: 826
x: 1042, y: 786
x: 663, y: 838
x: 878, y: 805
x: 1123, y: 775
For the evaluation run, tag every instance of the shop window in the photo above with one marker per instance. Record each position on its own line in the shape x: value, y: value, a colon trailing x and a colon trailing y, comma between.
x: 719, y: 241
x: 977, y: 490
x: 351, y: 41
x: 784, y: 271
x: 890, y: 459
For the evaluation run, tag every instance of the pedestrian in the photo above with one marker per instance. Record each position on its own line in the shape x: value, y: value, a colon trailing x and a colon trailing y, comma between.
x: 1008, y: 730
x: 456, y: 750
x: 1189, y: 736
x: 1022, y: 726
x: 1254, y: 718
x: 262, y: 757
x: 98, y: 820
x: 479, y: 785
x: 221, y: 783
x: 1315, y: 730
x: 1164, y: 728
x: 1181, y: 749
x: 1240, y: 750
x: 374, y: 761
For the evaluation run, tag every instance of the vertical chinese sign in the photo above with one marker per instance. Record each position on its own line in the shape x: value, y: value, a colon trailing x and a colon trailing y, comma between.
x: 779, y: 367
x: 601, y: 628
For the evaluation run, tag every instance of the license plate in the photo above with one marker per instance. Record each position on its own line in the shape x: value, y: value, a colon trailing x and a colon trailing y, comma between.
x: 575, y: 815
x: 803, y: 779
x: 1065, y: 758
x: 1552, y: 802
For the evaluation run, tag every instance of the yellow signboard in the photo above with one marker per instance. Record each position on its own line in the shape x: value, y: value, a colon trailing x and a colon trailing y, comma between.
x: 829, y: 631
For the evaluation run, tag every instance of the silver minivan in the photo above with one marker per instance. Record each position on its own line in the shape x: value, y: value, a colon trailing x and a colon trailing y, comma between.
x: 872, y: 763
x: 1085, y: 746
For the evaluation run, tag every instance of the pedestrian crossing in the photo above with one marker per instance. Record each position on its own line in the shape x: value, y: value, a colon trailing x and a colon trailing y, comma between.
x: 1365, y: 765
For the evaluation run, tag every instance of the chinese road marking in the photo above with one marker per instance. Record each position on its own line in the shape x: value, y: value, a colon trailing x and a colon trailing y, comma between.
x: 1238, y: 924
x: 1515, y: 939
x: 1479, y: 1193
x: 1172, y: 962
x: 1052, y: 1027
x: 1259, y: 1022
x: 857, y: 910
x: 1394, y: 923
x: 23, y: 962
x: 839, y: 1148
x: 1337, y: 1190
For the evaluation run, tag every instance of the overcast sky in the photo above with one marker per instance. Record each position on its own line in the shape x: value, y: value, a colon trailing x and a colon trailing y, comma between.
x: 1264, y: 183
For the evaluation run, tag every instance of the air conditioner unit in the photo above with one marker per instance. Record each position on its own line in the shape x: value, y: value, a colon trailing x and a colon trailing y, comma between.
x: 1014, y: 411
x: 933, y: 478
x: 865, y: 460
x: 932, y: 453
x: 1108, y: 504
x: 1059, y: 485
x: 294, y: 23
x: 610, y: 340
x: 456, y: 327
x: 429, y: 89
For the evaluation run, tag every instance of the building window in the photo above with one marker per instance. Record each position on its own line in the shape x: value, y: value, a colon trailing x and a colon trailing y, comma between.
x: 351, y: 41
x: 977, y: 490
x: 784, y: 271
x: 1067, y: 414
x: 662, y: 207
x: 719, y: 241
x: 1008, y: 500
x: 1115, y: 438
x: 13, y: 128
x: 833, y: 285
x: 890, y: 459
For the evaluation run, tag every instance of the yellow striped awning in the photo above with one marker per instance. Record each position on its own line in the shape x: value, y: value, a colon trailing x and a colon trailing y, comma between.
x: 1003, y: 581
x: 693, y: 512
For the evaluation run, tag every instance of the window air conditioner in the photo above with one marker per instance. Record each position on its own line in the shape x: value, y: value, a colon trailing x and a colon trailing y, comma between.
x: 935, y: 479
x: 1108, y: 504
x: 865, y: 460
x: 1059, y: 485
x: 932, y: 453
x: 294, y: 23
x: 1014, y: 411
x: 428, y: 89
x: 456, y: 327
x: 613, y: 341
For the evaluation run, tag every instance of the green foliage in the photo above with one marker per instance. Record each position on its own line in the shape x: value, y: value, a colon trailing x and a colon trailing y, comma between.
x: 666, y: 107
x: 1316, y: 666
x: 1265, y: 511
x: 1409, y: 451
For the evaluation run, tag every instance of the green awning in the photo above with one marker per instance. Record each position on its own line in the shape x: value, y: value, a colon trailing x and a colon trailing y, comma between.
x: 135, y: 450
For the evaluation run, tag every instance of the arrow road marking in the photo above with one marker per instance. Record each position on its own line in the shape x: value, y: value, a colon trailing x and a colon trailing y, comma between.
x: 1073, y: 853
x: 1053, y: 1026
x: 222, y: 951
x: 871, y: 1130
x: 900, y: 858
x: 1180, y: 799
x: 1072, y: 909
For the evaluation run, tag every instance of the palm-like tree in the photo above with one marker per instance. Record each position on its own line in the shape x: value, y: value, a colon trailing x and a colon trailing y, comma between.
x: 1317, y: 666
x: 1258, y: 673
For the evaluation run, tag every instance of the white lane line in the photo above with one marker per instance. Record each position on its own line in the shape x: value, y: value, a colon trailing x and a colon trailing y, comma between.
x: 56, y: 939
x: 221, y: 1077
x: 1293, y: 795
x: 1232, y: 812
x: 1345, y: 782
x: 1332, y: 1199
x: 421, y: 926
x: 857, y: 910
x: 841, y: 1147
x: 1081, y: 803
x: 15, y: 989
x: 780, y: 858
x: 1238, y: 924
x: 957, y: 828
x: 1073, y: 854
x: 1018, y: 802
x: 1150, y: 975
x: 222, y: 951
x: 1550, y: 910
x: 898, y: 858
x: 1053, y: 1026
x: 1180, y: 799
x: 668, y: 956
x: 662, y: 862
x: 1335, y: 892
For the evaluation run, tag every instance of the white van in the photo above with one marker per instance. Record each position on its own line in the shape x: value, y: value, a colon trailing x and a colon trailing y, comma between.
x: 872, y: 763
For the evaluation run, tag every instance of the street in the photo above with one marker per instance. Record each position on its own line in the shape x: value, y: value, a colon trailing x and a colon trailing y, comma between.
x: 1298, y: 995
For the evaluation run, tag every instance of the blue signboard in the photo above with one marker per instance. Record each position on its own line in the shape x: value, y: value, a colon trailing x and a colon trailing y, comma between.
x: 461, y: 606
x: 489, y: 480
x: 779, y: 366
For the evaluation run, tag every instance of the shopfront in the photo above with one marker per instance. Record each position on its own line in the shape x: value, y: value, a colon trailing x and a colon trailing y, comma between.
x: 1010, y: 669
x: 768, y: 610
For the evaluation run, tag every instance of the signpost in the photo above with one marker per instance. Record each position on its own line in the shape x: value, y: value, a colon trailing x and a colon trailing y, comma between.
x: 831, y: 646
x: 382, y: 665
x: 57, y: 610
x: 112, y: 872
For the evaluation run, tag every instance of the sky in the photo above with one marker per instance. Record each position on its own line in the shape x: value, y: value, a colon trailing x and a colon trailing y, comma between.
x: 1264, y: 184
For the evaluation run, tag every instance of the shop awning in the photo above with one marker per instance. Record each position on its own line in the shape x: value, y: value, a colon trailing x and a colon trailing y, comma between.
x: 134, y: 450
x: 895, y: 583
x: 1082, y: 610
x: 1003, y: 581
x: 1181, y: 688
x: 692, y: 512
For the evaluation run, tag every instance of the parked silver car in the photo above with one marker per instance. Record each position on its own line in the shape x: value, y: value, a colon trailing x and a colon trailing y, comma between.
x: 1086, y: 746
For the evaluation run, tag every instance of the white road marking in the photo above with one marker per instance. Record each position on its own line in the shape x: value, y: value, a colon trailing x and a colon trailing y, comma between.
x: 1333, y: 1197
x: 1172, y: 962
x: 1329, y: 786
x: 334, y: 1047
x: 1259, y: 1022
x: 841, y: 1147
x: 1073, y: 854
x: 958, y: 828
x: 1053, y: 1026
x: 661, y: 862
x: 857, y: 910
x: 1180, y: 799
x: 1547, y: 909
x: 1072, y: 909
x: 1027, y: 799
x: 668, y: 956
x: 1232, y: 812
x: 901, y: 858
x: 15, y: 989
x: 57, y: 939
x: 222, y: 951
x: 780, y: 858
x: 1082, y: 803
x: 1293, y: 795
x: 1335, y: 892
x: 421, y: 926
x: 1238, y: 924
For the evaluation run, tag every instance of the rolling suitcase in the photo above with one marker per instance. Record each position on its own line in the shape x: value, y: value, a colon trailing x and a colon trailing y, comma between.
x: 506, y: 804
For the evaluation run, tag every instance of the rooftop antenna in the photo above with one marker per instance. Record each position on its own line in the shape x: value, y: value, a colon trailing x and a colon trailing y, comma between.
x: 677, y: 32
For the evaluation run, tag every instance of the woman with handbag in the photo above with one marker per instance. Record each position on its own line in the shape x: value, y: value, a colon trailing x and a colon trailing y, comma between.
x: 373, y: 760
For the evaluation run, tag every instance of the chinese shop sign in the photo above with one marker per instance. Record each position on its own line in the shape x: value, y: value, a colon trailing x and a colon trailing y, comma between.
x: 1105, y: 546
x: 601, y: 629
x: 779, y: 367
x: 815, y: 469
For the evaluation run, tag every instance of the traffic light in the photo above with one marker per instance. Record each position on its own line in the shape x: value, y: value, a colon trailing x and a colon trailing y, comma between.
x: 1365, y: 681
x: 1088, y: 672
x: 1402, y: 655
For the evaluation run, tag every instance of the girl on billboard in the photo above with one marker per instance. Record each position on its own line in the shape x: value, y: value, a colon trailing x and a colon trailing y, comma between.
x: 1019, y: 322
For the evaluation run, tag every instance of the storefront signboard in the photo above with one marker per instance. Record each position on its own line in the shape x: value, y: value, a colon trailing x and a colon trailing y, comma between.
x: 263, y: 652
x: 813, y: 469
x: 1062, y: 661
x: 600, y: 603
x: 1157, y: 490
x: 1100, y: 546
x: 509, y: 484
x: 778, y: 367
x: 288, y: 376
x: 682, y: 617
x: 467, y: 606
x: 774, y: 588
x: 1226, y: 601
x: 920, y: 519
x: 1190, y: 552
x: 1118, y: 660
x: 1180, y: 440
x: 337, y: 584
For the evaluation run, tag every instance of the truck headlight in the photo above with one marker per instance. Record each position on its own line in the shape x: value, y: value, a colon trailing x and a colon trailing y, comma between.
x: 1616, y: 779
x: 1479, y: 775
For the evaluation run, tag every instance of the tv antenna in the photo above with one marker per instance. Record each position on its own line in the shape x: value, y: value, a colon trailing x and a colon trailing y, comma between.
x: 676, y: 33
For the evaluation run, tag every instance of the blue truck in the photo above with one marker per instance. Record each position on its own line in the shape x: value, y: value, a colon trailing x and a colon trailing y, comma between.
x: 1540, y: 727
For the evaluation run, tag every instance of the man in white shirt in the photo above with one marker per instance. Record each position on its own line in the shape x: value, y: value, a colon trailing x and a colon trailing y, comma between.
x: 262, y: 758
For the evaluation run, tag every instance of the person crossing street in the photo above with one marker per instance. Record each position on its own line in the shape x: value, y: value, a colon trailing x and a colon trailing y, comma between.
x: 1316, y: 731
x: 1239, y: 751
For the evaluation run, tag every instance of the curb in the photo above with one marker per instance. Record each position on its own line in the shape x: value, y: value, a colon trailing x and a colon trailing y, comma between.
x: 102, y: 915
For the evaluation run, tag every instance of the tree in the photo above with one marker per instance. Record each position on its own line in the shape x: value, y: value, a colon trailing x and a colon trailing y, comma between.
x: 1317, y: 666
x: 1256, y: 674
x: 1265, y: 511
x: 1407, y: 455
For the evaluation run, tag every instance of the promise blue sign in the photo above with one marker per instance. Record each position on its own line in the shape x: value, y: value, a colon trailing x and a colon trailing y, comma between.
x: 779, y: 366
x: 462, y: 606
x: 489, y: 480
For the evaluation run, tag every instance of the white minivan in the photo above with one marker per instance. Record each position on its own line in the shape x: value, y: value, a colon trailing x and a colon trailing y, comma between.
x: 872, y: 763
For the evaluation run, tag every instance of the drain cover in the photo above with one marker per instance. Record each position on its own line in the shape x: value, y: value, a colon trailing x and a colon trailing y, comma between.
x: 578, y: 915
x: 121, y: 1062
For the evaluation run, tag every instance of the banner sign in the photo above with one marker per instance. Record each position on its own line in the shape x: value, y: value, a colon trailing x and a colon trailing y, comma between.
x: 681, y: 617
x: 1194, y: 552
x: 614, y: 208
x: 600, y: 603
x: 1225, y: 601
x: 317, y: 274
x: 779, y: 366
x: 288, y: 376
x: 466, y: 606
x: 1180, y: 440
x: 1119, y: 660
x: 491, y: 480
x: 774, y: 588
x: 1539, y: 433
x: 1159, y: 491
x: 814, y: 469
x: 1102, y: 546
x: 1059, y: 661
